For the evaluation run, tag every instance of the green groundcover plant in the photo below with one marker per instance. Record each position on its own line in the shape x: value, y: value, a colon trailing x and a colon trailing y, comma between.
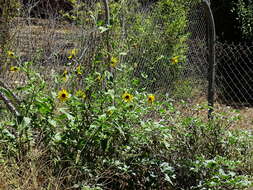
x: 120, y: 138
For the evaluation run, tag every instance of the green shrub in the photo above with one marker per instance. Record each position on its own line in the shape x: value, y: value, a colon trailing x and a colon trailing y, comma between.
x: 244, y: 10
x: 157, y: 43
x: 150, y: 40
x: 8, y: 11
x: 122, y: 138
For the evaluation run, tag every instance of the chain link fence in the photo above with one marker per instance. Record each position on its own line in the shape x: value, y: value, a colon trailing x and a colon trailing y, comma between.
x: 234, y: 70
x: 234, y: 78
x: 197, y: 59
x: 48, y: 42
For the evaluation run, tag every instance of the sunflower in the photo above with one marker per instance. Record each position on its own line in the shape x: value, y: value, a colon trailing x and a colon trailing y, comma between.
x: 63, y: 95
x: 80, y: 94
x: 151, y: 98
x: 127, y: 97
x: 114, y: 62
x: 72, y: 53
x: 175, y: 60
x: 10, y: 54
x: 14, y: 68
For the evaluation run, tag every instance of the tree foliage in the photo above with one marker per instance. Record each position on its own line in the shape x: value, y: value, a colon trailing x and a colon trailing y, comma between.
x: 227, y: 28
x: 244, y: 11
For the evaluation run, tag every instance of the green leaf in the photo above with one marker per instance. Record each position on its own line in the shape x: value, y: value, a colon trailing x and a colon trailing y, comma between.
x: 8, y: 134
x: 111, y: 93
x: 102, y: 117
x: 57, y: 137
x: 52, y: 122
x: 102, y: 29
x: 123, y: 53
x: 43, y: 106
x: 6, y: 92
x: 68, y: 115
x: 27, y: 121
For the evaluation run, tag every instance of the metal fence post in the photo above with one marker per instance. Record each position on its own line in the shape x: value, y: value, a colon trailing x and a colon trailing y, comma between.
x: 211, y: 57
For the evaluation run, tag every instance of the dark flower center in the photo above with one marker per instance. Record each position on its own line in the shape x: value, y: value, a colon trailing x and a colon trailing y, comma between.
x: 63, y: 95
x: 127, y: 97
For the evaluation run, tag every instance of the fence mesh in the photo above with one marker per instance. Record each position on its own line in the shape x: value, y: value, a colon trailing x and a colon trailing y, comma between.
x: 48, y: 42
x: 234, y: 74
x: 198, y: 47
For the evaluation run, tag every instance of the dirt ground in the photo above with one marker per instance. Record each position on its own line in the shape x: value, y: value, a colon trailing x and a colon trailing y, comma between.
x: 241, y: 117
x: 245, y: 117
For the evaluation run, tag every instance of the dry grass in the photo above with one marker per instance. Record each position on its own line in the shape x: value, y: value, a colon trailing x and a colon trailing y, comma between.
x: 243, y: 116
x: 31, y: 173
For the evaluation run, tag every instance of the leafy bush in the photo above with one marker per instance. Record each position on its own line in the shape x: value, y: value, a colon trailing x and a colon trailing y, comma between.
x: 157, y: 37
x: 152, y: 40
x: 244, y: 11
x: 120, y: 138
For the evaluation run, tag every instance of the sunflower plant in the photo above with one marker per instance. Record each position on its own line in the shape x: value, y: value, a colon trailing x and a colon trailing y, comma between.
x: 124, y: 130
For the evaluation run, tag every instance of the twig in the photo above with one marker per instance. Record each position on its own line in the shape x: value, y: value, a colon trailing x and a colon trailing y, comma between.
x: 12, y: 94
x: 10, y: 106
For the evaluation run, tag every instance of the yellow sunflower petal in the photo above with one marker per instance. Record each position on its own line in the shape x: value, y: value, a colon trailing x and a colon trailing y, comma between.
x: 175, y: 60
x: 151, y: 98
x: 10, y: 54
x: 14, y: 68
x: 63, y: 95
x: 127, y: 97
x: 114, y: 62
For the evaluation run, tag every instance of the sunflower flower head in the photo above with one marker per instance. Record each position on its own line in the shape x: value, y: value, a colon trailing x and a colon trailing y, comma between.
x: 72, y: 53
x: 14, y: 69
x: 114, y: 62
x: 127, y: 97
x: 174, y: 60
x: 63, y: 95
x: 80, y: 94
x: 151, y: 98
x: 10, y: 54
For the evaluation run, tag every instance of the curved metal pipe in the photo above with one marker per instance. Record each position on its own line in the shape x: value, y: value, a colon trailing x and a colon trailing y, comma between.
x: 107, y: 12
x: 211, y: 57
